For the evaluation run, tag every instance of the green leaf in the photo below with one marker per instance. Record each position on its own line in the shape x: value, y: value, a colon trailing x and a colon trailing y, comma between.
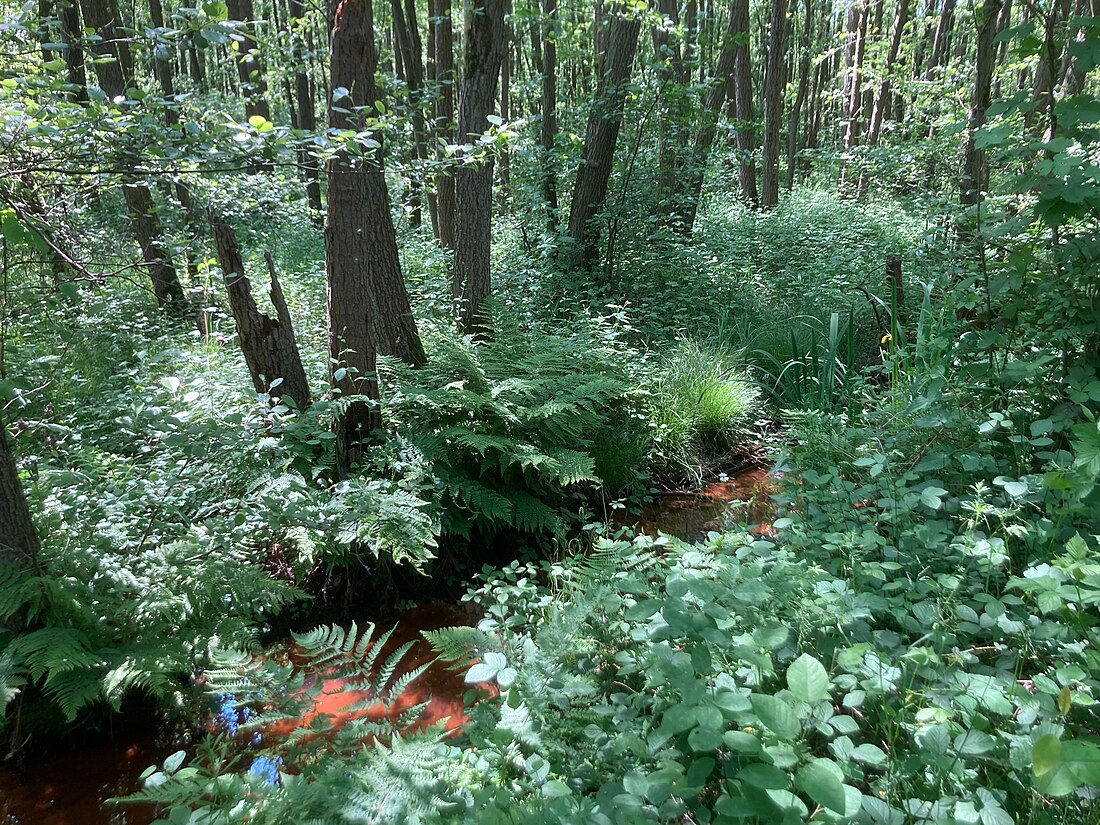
x: 677, y: 719
x: 824, y: 782
x: 1046, y: 753
x: 776, y: 715
x: 216, y: 11
x: 1083, y: 760
x: 807, y: 679
x: 760, y: 775
x: 869, y: 754
x: 931, y: 497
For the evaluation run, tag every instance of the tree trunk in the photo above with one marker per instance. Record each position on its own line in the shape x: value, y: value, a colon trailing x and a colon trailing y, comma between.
x: 18, y: 540
x: 882, y: 99
x: 975, y: 176
x: 68, y: 15
x: 774, y: 87
x: 853, y: 82
x: 250, y: 67
x: 506, y: 102
x: 368, y: 307
x: 158, y: 261
x: 744, y: 106
x: 111, y: 71
x: 444, y: 118
x: 548, y: 129
x: 704, y: 139
x: 803, y: 90
x: 941, y: 39
x: 673, y: 126
x: 604, y: 121
x: 307, y: 113
x: 269, y: 346
x: 411, y: 47
x: 485, y: 40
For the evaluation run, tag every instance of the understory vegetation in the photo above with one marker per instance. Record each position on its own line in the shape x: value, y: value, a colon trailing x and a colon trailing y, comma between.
x: 914, y: 354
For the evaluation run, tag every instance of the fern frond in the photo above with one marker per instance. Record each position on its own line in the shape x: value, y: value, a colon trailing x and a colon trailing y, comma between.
x: 531, y: 515
x: 460, y: 644
x: 54, y: 648
x: 573, y: 466
x: 12, y: 678
x: 484, y: 501
x: 74, y: 690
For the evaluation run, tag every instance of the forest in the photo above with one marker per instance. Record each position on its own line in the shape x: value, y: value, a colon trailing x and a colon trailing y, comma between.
x: 549, y: 411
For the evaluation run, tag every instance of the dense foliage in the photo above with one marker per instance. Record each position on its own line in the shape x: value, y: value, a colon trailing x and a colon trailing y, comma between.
x: 908, y: 332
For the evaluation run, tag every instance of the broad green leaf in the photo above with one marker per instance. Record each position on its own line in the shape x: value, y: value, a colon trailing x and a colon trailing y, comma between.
x: 776, y: 714
x: 1046, y: 753
x: 764, y: 776
x: 869, y: 754
x: 807, y: 679
x: 824, y: 782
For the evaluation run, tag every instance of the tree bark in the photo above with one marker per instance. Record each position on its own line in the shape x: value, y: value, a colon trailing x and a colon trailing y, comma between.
x: 604, y: 121
x: 19, y: 542
x: 774, y: 87
x: 672, y: 54
x: 744, y: 106
x: 505, y: 174
x: 250, y: 67
x: 548, y: 129
x: 853, y: 82
x: 444, y: 118
x: 411, y: 48
x: 704, y: 138
x: 882, y: 99
x: 368, y: 307
x: 307, y: 113
x: 269, y: 346
x: 113, y: 75
x: 68, y: 15
x: 803, y: 90
x: 975, y: 176
x: 485, y: 39
x: 941, y: 39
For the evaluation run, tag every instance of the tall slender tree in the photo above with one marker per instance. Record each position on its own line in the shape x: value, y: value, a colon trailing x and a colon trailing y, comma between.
x: 882, y: 96
x: 605, y: 118
x: 113, y: 70
x: 250, y: 67
x: 485, y: 40
x: 854, y: 50
x: 775, y: 83
x: 306, y: 110
x: 975, y: 174
x: 368, y: 306
x: 803, y: 89
x: 548, y: 128
x: 444, y: 106
x: 743, y: 105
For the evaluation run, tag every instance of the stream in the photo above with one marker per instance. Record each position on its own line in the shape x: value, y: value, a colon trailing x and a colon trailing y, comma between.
x: 66, y: 784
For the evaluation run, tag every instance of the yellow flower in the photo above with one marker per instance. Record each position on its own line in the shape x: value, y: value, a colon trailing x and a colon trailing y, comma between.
x: 887, y: 338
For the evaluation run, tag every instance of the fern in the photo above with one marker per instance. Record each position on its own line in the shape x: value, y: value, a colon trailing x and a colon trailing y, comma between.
x: 507, y: 426
x: 12, y: 679
x: 461, y: 644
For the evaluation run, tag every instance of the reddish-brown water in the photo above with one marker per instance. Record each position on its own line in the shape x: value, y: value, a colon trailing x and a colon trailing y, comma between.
x: 66, y: 787
x: 743, y: 498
